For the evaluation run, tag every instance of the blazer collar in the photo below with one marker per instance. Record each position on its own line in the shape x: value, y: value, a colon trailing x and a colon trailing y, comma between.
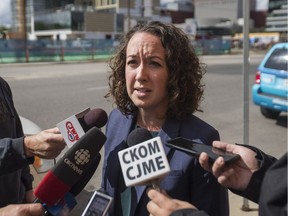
x: 171, y: 129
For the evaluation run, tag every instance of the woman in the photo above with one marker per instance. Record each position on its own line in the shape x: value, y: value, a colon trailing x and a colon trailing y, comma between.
x: 156, y: 84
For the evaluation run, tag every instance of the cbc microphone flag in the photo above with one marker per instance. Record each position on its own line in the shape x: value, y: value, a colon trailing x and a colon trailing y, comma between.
x: 71, y: 128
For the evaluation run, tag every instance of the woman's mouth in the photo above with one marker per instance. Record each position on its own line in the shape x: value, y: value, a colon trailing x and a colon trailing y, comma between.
x: 141, y: 92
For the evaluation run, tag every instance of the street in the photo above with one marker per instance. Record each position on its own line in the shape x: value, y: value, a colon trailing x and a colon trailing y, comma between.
x: 47, y: 93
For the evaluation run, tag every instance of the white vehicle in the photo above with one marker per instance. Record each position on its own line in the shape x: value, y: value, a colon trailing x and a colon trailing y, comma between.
x: 30, y: 128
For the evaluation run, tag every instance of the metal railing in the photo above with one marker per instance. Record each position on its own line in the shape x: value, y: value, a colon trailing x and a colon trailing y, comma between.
x: 18, y: 51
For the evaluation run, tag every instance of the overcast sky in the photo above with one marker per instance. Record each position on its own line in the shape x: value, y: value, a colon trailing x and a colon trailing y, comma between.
x: 5, y: 13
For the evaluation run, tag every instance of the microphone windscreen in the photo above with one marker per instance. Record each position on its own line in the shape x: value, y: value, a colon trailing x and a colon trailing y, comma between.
x: 137, y: 136
x: 52, y: 194
x: 95, y: 117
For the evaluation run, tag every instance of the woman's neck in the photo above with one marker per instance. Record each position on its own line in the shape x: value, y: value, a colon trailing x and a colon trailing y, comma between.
x: 150, y: 121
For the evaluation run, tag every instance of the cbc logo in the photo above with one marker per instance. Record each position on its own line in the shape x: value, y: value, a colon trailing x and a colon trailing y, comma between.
x: 82, y: 156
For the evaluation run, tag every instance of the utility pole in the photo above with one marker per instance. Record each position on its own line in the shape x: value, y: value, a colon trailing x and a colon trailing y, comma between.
x: 128, y: 14
x: 245, y: 72
x: 24, y: 10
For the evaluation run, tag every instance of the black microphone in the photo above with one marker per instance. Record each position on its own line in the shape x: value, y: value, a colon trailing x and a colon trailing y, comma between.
x: 138, y: 135
x: 85, y: 178
x: 145, y: 161
x: 68, y: 202
x: 70, y: 168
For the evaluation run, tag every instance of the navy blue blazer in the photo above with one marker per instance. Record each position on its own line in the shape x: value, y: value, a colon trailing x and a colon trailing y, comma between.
x: 187, y: 180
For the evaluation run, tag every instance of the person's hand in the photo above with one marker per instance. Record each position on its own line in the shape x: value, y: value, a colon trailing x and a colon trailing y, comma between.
x: 47, y: 144
x: 237, y: 174
x: 29, y: 196
x: 35, y: 209
x: 162, y: 205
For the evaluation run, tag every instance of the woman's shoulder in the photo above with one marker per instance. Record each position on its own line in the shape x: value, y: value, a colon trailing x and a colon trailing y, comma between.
x: 117, y: 114
x: 118, y: 119
x: 195, y: 121
x: 196, y: 128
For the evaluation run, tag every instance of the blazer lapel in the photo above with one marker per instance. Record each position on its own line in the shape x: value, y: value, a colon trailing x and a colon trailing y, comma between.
x: 170, y: 129
x: 119, y: 128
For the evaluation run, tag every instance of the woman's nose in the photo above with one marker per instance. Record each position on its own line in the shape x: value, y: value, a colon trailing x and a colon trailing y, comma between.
x: 141, y: 74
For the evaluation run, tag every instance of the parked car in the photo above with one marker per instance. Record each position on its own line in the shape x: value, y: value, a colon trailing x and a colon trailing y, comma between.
x: 29, y: 127
x: 270, y: 90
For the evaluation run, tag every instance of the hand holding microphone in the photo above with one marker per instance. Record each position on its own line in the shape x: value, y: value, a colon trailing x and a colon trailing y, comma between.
x: 73, y: 170
x: 77, y: 166
x: 53, y: 141
x: 145, y: 161
x: 47, y: 144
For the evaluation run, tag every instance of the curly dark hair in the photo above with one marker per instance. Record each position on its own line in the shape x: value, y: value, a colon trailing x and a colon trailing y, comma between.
x: 185, y: 89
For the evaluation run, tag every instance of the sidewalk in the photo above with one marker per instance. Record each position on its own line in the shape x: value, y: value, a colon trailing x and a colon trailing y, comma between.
x: 236, y: 203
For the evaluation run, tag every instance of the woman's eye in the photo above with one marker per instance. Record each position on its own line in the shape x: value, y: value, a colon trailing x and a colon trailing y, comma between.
x: 131, y: 62
x: 155, y: 64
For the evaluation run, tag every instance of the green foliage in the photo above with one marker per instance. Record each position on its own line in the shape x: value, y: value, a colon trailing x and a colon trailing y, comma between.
x: 4, y: 28
x: 45, y: 26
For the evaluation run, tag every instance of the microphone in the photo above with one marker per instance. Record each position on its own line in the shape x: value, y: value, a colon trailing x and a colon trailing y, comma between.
x: 85, y: 178
x: 63, y: 208
x: 70, y: 168
x: 145, y: 160
x: 138, y: 135
x: 74, y: 127
x: 68, y: 202
x: 93, y: 118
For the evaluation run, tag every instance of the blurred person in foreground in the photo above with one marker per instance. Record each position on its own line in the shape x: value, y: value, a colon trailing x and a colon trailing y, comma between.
x: 156, y: 83
x: 17, y: 151
x: 256, y: 176
x: 35, y: 209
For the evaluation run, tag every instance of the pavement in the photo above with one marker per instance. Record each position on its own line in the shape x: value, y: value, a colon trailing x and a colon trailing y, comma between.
x: 242, y: 207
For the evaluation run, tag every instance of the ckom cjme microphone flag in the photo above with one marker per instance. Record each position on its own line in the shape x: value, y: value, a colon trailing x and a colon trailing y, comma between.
x: 144, y: 162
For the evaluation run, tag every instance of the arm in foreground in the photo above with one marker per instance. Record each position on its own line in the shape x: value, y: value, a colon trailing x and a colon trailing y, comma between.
x: 18, y: 153
x: 47, y: 144
x: 161, y: 204
x: 22, y: 210
x: 244, y: 174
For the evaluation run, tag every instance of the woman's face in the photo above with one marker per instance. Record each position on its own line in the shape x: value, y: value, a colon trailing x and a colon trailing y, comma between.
x: 146, y: 72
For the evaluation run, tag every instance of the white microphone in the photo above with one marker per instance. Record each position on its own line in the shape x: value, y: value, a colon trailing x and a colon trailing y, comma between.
x: 74, y: 127
x: 145, y: 162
